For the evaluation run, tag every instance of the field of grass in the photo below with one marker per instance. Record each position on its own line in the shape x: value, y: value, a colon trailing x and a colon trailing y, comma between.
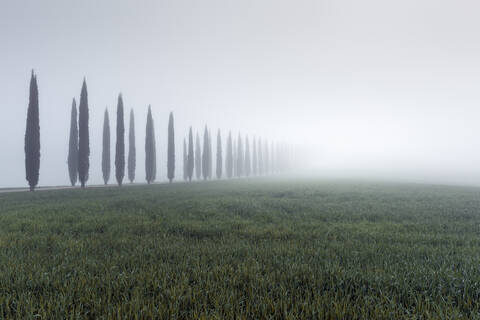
x: 246, y: 249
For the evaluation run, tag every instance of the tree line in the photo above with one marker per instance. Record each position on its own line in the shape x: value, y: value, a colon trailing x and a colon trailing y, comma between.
x: 240, y: 159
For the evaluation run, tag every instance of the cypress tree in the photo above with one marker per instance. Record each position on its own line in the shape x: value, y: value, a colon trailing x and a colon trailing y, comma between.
x: 248, y: 166
x: 120, y: 145
x: 240, y: 159
x: 198, y: 158
x: 266, y: 167
x: 83, y: 137
x: 254, y: 158
x: 278, y: 157
x: 272, y: 158
x: 210, y: 158
x: 171, y: 149
x: 235, y: 171
x: 132, y: 150
x: 150, y: 149
x: 190, y: 156
x: 154, y: 160
x: 32, y: 136
x: 73, y: 146
x: 219, y: 156
x: 205, y: 154
x: 229, y: 157
x: 185, y: 161
x: 260, y: 158
x: 106, y: 148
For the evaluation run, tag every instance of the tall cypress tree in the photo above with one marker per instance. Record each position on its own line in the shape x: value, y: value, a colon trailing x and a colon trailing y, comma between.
x: 278, y: 157
x: 83, y: 137
x: 235, y: 155
x: 132, y: 150
x: 210, y: 158
x: 240, y: 165
x: 32, y: 136
x: 272, y: 158
x: 190, y: 156
x: 150, y: 149
x: 260, y: 158
x: 248, y: 166
x: 73, y: 145
x: 219, y: 164
x: 185, y: 160
x: 171, y: 149
x: 154, y: 160
x: 198, y: 158
x: 205, y: 154
x: 266, y: 167
x: 254, y: 157
x: 106, y: 148
x: 120, y: 145
x: 229, y: 157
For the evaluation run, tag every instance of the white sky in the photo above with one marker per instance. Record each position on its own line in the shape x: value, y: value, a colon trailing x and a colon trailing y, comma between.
x: 374, y: 87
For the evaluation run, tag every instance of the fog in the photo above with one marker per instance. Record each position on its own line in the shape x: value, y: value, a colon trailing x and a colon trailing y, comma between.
x: 370, y: 89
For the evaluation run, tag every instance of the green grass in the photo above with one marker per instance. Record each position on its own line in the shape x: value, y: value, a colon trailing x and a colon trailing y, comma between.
x: 251, y: 249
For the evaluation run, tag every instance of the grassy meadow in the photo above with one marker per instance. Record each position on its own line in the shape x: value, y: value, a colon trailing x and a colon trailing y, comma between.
x: 245, y: 249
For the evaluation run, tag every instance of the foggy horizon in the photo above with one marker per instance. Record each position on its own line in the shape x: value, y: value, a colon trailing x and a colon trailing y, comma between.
x: 377, y: 89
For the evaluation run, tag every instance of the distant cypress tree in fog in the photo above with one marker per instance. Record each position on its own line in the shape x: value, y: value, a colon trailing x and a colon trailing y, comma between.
x: 260, y: 157
x: 32, y: 136
x: 185, y: 161
x: 150, y: 149
x: 198, y: 158
x: 210, y: 157
x: 190, y: 156
x: 235, y: 174
x: 266, y: 168
x: 73, y: 146
x: 272, y: 158
x: 229, y: 157
x: 239, y: 156
x: 278, y: 157
x: 248, y: 166
x: 171, y: 149
x: 106, y: 148
x: 205, y: 154
x: 254, y: 158
x: 219, y: 164
x: 154, y: 164
x: 120, y: 145
x: 83, y: 137
x: 132, y: 151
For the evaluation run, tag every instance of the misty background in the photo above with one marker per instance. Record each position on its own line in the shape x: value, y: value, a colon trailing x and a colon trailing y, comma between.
x: 373, y: 88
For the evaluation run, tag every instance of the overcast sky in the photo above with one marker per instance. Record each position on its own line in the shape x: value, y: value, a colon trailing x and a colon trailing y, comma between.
x: 374, y: 87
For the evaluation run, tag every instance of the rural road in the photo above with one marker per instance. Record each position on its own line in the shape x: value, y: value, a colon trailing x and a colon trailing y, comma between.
x: 48, y: 188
